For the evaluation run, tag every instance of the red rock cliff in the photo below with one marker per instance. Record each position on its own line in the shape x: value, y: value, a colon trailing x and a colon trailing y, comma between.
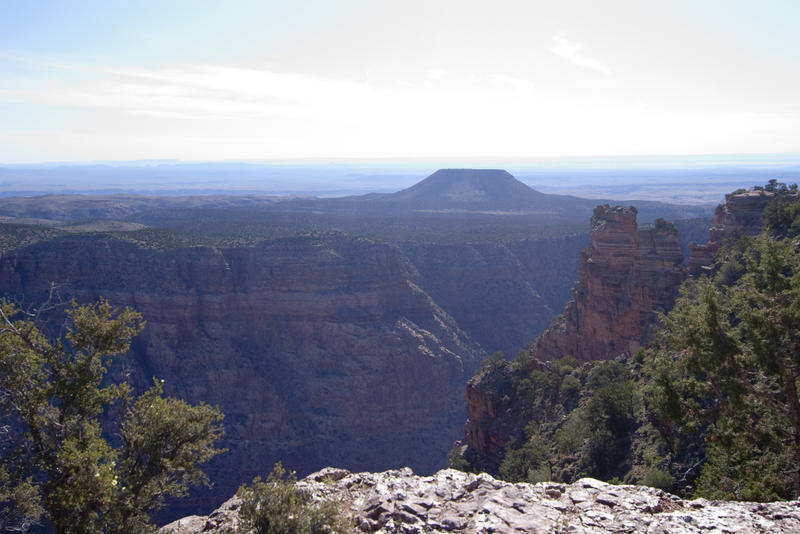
x: 625, y: 276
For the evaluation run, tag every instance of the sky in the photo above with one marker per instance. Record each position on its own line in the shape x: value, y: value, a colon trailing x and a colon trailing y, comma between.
x: 261, y: 80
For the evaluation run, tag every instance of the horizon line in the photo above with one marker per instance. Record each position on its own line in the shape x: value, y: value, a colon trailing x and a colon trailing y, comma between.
x: 405, y: 159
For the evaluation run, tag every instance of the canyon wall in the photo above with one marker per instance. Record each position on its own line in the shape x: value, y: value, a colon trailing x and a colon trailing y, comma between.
x: 625, y: 276
x: 502, y: 294
x: 319, y: 350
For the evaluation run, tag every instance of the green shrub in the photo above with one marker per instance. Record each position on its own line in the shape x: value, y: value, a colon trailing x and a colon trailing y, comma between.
x: 658, y: 478
x: 456, y: 460
x: 570, y: 387
x: 56, y: 465
x: 277, y: 506
x: 493, y: 362
x: 569, y: 438
x: 527, y: 463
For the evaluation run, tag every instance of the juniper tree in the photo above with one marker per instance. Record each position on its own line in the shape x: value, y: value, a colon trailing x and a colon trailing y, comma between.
x: 57, y: 464
x: 728, y: 368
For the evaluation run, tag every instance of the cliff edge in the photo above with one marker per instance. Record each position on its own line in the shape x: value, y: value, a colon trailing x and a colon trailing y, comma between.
x: 394, y: 502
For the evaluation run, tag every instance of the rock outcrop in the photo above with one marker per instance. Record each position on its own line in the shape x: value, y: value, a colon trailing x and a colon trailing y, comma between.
x: 491, y: 418
x: 625, y: 276
x: 318, y: 349
x: 395, y: 502
x: 739, y: 215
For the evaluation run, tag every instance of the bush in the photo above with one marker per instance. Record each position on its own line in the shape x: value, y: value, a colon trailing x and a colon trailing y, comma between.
x: 493, y: 362
x: 658, y: 478
x: 277, y: 506
x: 570, y: 437
x: 527, y: 463
x: 570, y: 387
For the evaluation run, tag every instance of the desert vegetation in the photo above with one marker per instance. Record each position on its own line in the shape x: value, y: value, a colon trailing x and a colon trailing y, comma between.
x: 58, y: 464
x: 709, y: 409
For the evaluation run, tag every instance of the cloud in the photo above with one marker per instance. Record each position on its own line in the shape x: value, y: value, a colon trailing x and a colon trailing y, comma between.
x: 520, y: 84
x: 437, y: 75
x: 199, y: 91
x: 572, y: 52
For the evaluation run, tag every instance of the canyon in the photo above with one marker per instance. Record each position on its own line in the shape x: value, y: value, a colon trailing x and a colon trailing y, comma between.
x: 626, y: 276
x: 319, y: 350
x: 322, y: 347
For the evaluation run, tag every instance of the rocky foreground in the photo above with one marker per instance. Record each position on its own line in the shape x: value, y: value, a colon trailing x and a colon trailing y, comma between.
x: 452, y: 501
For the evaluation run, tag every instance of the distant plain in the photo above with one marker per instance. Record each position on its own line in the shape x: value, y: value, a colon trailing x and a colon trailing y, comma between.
x: 681, y: 180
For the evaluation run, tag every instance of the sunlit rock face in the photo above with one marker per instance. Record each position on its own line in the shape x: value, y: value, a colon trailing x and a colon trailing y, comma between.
x: 395, y: 502
x: 625, y: 276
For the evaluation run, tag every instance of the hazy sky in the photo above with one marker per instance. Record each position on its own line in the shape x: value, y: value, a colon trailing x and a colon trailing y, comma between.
x: 205, y: 80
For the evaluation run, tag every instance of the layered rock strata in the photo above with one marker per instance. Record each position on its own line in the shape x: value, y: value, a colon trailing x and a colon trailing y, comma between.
x: 317, y: 349
x: 395, y: 502
x: 625, y: 276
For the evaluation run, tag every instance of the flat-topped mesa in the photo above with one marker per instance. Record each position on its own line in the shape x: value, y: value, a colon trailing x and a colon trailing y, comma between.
x: 739, y: 215
x: 625, y: 276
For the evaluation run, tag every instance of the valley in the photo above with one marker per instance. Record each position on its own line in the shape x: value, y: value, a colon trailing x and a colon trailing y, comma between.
x: 328, y: 331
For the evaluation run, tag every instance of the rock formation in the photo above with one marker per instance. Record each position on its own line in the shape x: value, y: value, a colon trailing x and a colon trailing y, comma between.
x: 625, y: 276
x: 317, y: 349
x: 739, y: 215
x: 395, y: 502
x: 492, y: 191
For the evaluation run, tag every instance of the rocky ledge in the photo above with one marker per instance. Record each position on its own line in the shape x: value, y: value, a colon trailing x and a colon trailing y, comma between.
x: 452, y: 501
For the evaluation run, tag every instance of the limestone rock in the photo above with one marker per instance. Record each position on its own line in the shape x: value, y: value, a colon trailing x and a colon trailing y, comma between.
x: 399, y: 502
